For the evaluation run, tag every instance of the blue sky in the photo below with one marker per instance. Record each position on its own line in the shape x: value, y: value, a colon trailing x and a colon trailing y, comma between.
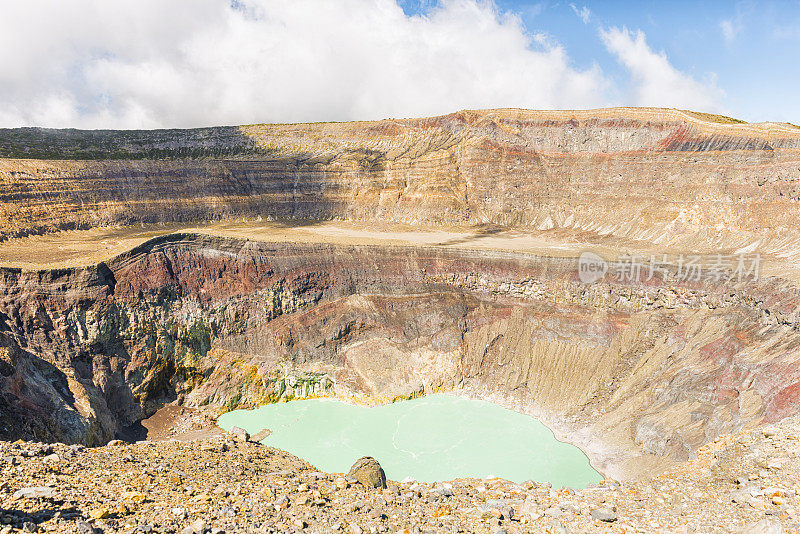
x: 751, y: 48
x: 183, y: 63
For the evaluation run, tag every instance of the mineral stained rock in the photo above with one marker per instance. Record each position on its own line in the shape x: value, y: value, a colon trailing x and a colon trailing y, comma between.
x: 637, y: 375
x: 640, y: 373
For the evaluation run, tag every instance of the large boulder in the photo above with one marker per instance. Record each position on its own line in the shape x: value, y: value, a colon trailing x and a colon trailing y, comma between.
x: 239, y: 433
x: 368, y: 472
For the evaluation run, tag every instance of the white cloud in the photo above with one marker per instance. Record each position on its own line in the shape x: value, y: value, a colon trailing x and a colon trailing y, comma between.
x: 730, y: 27
x: 656, y: 82
x: 584, y: 13
x: 149, y: 63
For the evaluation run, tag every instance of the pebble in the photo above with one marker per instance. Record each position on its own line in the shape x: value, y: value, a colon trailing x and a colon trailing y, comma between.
x: 99, y: 513
x: 765, y: 526
x: 196, y: 527
x: 444, y: 491
x: 606, y: 515
x: 282, y: 502
x: 261, y: 435
x: 35, y: 493
x: 85, y: 528
x: 555, y: 512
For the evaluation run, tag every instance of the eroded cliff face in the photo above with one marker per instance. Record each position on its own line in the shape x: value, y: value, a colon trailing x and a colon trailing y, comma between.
x: 663, y: 176
x: 637, y: 375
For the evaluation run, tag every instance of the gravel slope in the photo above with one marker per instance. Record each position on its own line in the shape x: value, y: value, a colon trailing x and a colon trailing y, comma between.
x: 741, y: 483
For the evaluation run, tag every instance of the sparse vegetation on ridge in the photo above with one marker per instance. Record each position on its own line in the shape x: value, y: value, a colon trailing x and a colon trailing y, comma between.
x: 711, y: 117
x: 58, y: 144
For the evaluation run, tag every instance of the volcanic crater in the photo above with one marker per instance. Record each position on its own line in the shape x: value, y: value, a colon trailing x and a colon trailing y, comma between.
x: 221, y: 268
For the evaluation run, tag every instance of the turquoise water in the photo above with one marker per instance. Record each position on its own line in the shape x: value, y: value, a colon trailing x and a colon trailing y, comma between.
x: 432, y: 438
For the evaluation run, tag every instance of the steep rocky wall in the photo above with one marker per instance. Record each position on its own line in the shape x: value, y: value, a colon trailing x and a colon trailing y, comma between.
x: 636, y: 375
x: 660, y: 176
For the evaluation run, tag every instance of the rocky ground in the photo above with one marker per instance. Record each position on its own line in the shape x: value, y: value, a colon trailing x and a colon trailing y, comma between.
x: 741, y: 483
x: 180, y: 422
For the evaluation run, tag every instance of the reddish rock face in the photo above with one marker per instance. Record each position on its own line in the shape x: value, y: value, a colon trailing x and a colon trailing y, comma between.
x: 629, y: 370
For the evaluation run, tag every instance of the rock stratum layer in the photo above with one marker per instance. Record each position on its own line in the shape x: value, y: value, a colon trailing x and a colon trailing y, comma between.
x: 656, y: 175
x: 640, y: 373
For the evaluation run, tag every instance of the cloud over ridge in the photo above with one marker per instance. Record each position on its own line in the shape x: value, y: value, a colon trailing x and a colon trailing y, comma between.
x: 147, y: 63
x: 655, y: 81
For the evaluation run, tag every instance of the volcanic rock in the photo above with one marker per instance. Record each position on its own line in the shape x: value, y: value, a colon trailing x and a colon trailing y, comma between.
x: 239, y: 433
x: 368, y: 472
